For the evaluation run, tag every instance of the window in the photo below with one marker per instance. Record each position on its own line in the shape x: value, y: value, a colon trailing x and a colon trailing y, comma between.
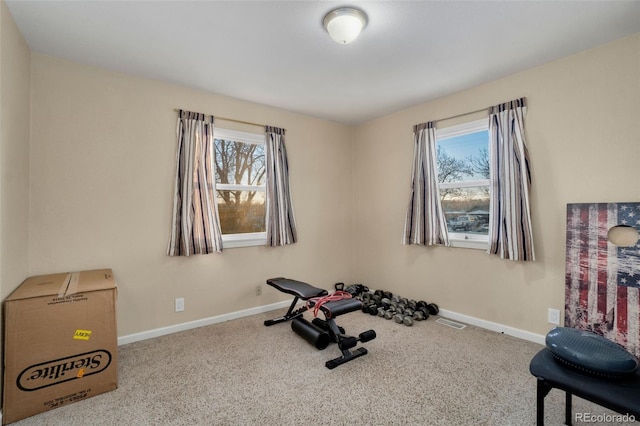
x: 240, y: 186
x: 463, y: 175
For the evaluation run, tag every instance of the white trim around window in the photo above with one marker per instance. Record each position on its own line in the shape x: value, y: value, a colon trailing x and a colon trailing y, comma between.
x: 244, y: 240
x: 479, y: 242
x: 235, y: 135
x: 462, y: 129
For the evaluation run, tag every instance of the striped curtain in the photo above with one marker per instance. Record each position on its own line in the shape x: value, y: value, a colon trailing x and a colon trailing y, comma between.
x: 281, y: 222
x: 510, y: 233
x: 425, y: 223
x: 195, y: 225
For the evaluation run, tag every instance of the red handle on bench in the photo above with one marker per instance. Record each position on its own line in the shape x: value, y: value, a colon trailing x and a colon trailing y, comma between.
x: 317, y: 302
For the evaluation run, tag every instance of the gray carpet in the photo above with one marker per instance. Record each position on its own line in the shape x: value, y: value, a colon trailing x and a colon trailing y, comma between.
x: 243, y: 373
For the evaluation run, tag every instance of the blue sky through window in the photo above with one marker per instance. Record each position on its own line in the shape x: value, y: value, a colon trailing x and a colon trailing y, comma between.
x: 465, y: 146
x: 462, y: 147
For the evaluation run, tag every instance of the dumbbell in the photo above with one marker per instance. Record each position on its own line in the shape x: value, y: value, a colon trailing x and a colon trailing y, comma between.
x: 356, y: 290
x: 389, y: 312
x: 352, y: 290
x: 372, y: 309
x: 407, y: 320
x: 433, y: 308
x: 425, y: 312
x: 403, y: 319
x: 418, y: 315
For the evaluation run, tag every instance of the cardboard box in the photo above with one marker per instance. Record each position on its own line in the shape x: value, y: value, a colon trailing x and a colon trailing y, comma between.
x: 61, y: 342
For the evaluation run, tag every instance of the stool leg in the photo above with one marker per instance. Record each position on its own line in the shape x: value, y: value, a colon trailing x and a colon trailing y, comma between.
x: 541, y: 391
x: 567, y: 408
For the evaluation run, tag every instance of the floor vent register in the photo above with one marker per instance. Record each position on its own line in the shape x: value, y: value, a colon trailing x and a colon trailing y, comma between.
x: 450, y: 323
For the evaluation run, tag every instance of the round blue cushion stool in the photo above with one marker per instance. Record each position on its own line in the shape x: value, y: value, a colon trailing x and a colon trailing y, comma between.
x: 590, y: 352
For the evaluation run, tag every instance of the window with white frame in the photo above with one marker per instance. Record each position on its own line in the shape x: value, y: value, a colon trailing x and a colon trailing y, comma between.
x: 240, y: 186
x: 463, y: 176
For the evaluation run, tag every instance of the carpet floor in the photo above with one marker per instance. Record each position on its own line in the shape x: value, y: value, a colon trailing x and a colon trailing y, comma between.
x: 242, y: 373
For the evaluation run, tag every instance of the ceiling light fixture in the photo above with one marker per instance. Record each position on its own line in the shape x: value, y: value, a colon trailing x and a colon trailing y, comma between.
x: 344, y: 24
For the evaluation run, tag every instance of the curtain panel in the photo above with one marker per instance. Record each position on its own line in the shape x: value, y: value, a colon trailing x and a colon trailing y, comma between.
x: 195, y: 227
x: 425, y: 222
x: 281, y: 222
x: 510, y: 233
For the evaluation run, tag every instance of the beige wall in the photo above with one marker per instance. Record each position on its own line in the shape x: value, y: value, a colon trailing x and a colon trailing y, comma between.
x: 14, y: 157
x: 583, y: 131
x: 14, y: 154
x: 102, y: 168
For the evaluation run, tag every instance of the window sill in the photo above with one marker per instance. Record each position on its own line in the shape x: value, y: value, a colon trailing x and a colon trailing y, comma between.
x: 244, y: 240
x: 468, y: 243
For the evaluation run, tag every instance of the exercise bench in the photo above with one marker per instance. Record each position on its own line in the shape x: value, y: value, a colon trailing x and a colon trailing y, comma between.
x: 321, y: 332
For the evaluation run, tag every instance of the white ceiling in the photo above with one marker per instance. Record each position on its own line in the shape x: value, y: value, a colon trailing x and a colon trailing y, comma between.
x: 277, y: 52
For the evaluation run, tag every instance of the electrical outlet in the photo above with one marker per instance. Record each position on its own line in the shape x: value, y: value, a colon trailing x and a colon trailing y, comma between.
x: 180, y: 304
x: 554, y: 316
x: 258, y: 290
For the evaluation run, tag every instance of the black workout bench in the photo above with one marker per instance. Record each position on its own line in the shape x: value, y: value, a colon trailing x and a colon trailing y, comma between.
x: 320, y: 332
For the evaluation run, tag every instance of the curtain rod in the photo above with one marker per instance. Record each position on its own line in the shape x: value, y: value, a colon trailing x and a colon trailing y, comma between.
x: 461, y: 115
x: 519, y: 100
x: 229, y: 119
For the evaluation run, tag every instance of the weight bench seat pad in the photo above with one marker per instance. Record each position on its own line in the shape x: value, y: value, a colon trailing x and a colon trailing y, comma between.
x: 299, y: 289
x: 590, y: 352
x: 339, y: 307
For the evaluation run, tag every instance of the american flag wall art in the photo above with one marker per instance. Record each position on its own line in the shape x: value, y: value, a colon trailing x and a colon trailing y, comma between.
x: 602, y: 279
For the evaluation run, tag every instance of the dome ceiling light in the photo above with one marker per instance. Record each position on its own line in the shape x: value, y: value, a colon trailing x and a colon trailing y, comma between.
x: 344, y: 24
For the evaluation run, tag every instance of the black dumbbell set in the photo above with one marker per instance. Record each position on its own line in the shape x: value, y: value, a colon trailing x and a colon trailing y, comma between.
x: 389, y: 306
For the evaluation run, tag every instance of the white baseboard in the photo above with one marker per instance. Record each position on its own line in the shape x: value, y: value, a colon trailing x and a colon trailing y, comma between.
x: 200, y: 323
x: 493, y: 326
x: 500, y: 328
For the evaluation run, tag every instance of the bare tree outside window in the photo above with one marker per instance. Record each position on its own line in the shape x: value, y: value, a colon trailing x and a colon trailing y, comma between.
x: 240, y: 179
x: 463, y: 173
x: 480, y: 163
x: 451, y: 169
